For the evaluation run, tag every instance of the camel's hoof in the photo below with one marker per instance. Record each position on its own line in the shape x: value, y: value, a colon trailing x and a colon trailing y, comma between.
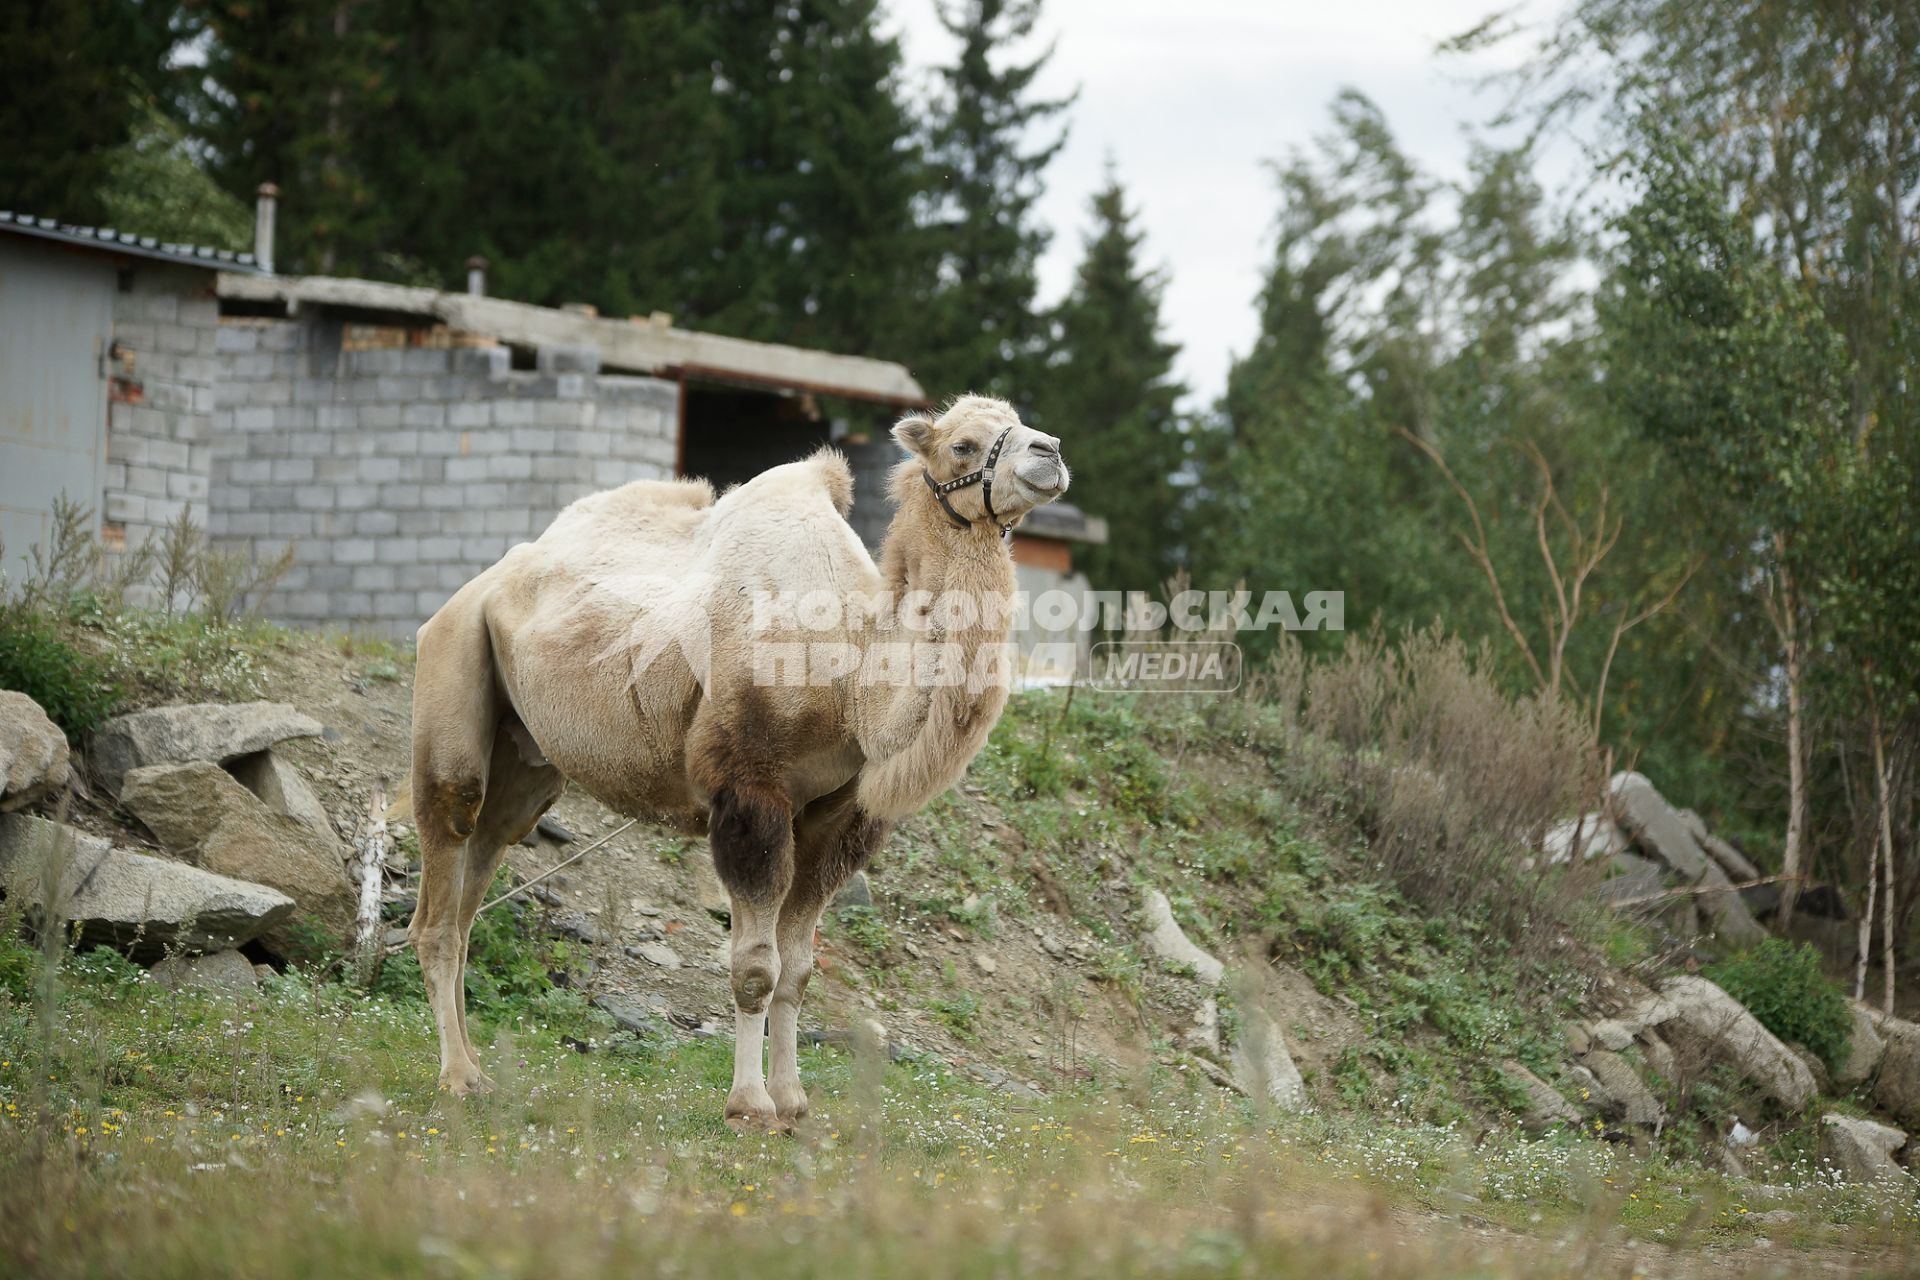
x: 792, y: 1105
x: 752, y: 1111
x: 752, y: 1124
x: 463, y: 1083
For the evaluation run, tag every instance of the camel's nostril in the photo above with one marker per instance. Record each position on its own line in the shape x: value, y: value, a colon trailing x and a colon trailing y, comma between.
x: 1049, y: 445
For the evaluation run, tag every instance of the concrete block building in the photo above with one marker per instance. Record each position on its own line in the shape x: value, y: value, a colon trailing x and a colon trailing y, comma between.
x: 397, y: 439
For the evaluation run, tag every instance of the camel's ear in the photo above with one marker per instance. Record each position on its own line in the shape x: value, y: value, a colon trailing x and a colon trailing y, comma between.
x: 915, y: 434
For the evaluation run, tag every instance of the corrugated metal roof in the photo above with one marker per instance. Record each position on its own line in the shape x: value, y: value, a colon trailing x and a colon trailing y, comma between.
x: 126, y: 242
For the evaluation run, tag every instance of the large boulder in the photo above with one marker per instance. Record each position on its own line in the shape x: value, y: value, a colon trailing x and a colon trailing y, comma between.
x: 1622, y: 1088
x: 204, y: 817
x: 280, y: 786
x: 1865, y: 1048
x: 1660, y: 831
x: 1861, y: 1150
x: 1897, y: 1086
x: 217, y: 732
x: 145, y: 906
x: 1694, y: 1014
x: 1165, y: 938
x: 1544, y: 1107
x: 1594, y: 833
x: 224, y: 971
x: 34, y: 760
x: 1262, y: 1065
x: 1656, y: 826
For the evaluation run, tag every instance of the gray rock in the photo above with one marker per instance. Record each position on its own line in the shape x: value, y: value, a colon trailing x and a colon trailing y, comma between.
x: 1656, y: 826
x: 658, y: 953
x: 1735, y: 863
x: 1660, y: 831
x: 1861, y: 1150
x: 856, y: 892
x: 1611, y: 1033
x: 1622, y: 1086
x: 1262, y: 1064
x: 550, y: 827
x: 279, y: 785
x: 1695, y: 1015
x: 1897, y: 1086
x: 628, y: 1015
x: 1865, y: 1048
x: 145, y: 906
x: 227, y: 971
x: 1595, y: 833
x: 34, y: 760
x: 199, y: 731
x: 203, y: 817
x: 1822, y: 1079
x: 1545, y: 1108
x: 1164, y: 938
x: 1203, y: 1033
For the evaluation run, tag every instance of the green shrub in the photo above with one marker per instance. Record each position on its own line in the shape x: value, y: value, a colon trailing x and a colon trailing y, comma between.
x: 1782, y: 984
x: 76, y: 689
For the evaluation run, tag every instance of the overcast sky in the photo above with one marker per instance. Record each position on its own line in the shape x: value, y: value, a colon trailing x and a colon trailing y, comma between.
x: 1191, y: 97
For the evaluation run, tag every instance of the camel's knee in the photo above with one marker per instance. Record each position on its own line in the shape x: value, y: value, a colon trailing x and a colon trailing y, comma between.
x: 756, y: 973
x: 438, y: 944
x: 451, y: 802
x: 752, y: 839
x: 792, y: 985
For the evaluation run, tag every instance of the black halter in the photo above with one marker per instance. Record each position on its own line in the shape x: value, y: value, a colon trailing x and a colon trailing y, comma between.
x: 984, y: 477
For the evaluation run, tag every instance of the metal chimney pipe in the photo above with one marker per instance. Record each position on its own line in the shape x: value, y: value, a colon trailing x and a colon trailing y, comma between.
x: 477, y: 276
x: 263, y: 226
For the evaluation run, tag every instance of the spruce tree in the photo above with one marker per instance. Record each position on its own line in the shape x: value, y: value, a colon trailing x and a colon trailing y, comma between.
x: 79, y: 76
x: 817, y: 243
x: 981, y: 331
x: 300, y: 93
x: 1111, y: 393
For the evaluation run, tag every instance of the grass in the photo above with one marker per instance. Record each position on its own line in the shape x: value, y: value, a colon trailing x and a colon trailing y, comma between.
x: 298, y: 1131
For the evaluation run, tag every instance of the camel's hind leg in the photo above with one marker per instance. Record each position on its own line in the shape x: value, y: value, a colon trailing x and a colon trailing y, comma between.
x: 456, y: 713
x: 519, y: 790
x: 833, y: 838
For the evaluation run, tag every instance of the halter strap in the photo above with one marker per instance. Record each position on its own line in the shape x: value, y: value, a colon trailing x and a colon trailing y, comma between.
x: 983, y: 477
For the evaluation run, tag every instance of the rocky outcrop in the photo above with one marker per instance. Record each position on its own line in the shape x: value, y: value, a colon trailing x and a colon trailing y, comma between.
x: 1897, y: 1086
x: 203, y: 817
x: 142, y: 905
x: 1865, y: 1048
x: 227, y: 971
x: 1262, y: 1066
x: 1661, y: 833
x: 1695, y: 1015
x: 1861, y: 1150
x: 1163, y: 937
x: 199, y: 731
x: 34, y: 760
x: 279, y: 785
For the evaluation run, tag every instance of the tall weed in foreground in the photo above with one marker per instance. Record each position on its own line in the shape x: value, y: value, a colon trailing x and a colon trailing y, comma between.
x: 1450, y: 780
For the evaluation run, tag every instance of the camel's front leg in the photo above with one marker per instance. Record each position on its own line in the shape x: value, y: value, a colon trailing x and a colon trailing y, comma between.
x: 752, y: 841
x: 795, y: 936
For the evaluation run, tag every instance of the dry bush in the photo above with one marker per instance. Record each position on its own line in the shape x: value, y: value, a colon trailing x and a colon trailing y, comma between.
x: 1450, y: 780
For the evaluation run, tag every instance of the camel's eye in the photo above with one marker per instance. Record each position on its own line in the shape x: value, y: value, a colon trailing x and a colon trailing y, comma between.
x: 963, y: 450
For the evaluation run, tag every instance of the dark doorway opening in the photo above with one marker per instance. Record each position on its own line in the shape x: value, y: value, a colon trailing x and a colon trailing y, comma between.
x: 732, y: 435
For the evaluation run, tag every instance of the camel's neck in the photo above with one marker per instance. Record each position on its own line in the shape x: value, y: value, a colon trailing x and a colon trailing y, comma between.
x: 925, y: 552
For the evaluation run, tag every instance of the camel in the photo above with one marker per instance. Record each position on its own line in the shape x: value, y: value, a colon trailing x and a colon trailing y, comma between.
x: 631, y: 649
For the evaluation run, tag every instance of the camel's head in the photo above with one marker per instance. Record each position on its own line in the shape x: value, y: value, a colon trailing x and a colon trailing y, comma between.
x: 1027, y: 471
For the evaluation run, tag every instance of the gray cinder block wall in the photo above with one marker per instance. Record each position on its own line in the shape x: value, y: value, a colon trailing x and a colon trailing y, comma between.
x: 163, y: 369
x: 397, y: 475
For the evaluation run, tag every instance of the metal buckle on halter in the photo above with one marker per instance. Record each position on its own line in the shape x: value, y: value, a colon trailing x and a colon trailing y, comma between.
x: 984, y: 478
